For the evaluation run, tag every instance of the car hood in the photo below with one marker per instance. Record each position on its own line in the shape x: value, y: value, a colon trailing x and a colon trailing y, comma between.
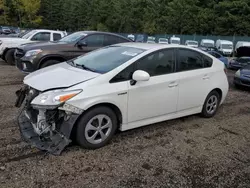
x: 43, y: 45
x: 61, y: 75
x: 245, y: 70
x: 243, y: 51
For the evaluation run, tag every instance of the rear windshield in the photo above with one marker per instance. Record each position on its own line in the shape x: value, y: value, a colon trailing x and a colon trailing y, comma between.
x: 107, y: 59
x: 192, y: 43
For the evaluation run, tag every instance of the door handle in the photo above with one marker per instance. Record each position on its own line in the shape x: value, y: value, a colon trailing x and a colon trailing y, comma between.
x: 206, y: 77
x: 173, y: 84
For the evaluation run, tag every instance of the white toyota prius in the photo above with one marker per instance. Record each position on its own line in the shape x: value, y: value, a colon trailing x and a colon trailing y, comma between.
x: 122, y: 86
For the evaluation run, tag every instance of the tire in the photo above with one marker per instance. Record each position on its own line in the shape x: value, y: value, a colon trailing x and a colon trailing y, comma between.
x: 211, y: 104
x: 49, y: 63
x: 9, y: 57
x: 84, y: 131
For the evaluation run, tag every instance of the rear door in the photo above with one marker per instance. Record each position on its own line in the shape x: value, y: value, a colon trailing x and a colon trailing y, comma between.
x: 194, y: 69
x: 111, y: 39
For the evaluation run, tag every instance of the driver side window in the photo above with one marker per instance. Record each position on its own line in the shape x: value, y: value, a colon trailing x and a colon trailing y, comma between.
x: 94, y: 40
x: 42, y: 36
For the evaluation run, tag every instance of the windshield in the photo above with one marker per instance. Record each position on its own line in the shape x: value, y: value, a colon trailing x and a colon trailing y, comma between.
x: 21, y: 35
x: 175, y: 41
x: 163, y: 40
x: 208, y: 44
x: 27, y: 35
x: 74, y: 37
x: 192, y: 43
x: 227, y: 46
x: 106, y: 59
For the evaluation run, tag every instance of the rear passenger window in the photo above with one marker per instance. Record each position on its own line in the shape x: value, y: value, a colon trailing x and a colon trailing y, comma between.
x: 56, y: 36
x: 109, y: 40
x: 191, y: 60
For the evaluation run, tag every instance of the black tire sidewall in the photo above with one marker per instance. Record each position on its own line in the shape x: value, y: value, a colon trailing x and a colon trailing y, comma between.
x: 9, y: 56
x: 81, y: 125
x: 204, y: 109
x: 49, y: 63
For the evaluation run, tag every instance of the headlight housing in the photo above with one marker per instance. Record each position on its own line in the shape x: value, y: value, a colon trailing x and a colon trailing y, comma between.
x: 237, y: 74
x: 53, y: 99
x: 32, y: 53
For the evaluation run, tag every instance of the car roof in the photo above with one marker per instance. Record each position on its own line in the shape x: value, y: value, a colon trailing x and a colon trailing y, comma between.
x: 244, y: 57
x: 147, y: 46
x: 226, y: 41
x: 44, y: 30
x: 102, y: 32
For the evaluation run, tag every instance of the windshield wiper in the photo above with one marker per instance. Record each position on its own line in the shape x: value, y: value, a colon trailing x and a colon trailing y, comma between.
x: 86, y: 68
x: 72, y: 63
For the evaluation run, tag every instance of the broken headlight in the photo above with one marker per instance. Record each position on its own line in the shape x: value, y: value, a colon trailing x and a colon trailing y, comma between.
x: 53, y: 99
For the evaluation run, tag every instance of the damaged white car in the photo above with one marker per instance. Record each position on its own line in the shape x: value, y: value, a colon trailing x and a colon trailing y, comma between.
x: 122, y: 86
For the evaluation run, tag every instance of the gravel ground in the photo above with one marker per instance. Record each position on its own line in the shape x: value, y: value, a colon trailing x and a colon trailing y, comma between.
x: 187, y: 152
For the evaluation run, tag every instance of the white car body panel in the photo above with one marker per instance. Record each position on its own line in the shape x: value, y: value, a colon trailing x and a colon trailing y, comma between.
x: 15, y: 42
x: 160, y: 98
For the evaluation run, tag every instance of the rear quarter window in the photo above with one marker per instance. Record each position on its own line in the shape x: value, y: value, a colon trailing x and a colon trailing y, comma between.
x: 208, y: 61
x: 56, y: 36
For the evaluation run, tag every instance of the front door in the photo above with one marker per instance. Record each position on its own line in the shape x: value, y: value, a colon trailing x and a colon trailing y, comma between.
x: 157, y: 96
x: 92, y: 42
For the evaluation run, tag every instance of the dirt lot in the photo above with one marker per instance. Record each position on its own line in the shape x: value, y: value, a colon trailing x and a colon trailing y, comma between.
x: 187, y: 152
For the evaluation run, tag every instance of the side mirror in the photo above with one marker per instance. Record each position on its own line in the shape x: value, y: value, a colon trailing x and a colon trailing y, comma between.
x: 140, y: 75
x: 82, y: 43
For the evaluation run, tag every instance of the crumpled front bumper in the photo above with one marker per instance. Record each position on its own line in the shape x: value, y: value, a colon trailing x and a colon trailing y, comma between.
x: 56, y: 143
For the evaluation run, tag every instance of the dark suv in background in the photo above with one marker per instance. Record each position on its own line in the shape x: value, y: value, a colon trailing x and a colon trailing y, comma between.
x: 31, y: 57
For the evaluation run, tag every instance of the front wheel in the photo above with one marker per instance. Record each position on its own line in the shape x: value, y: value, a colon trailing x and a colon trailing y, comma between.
x: 9, y: 57
x: 96, y: 128
x: 211, y: 104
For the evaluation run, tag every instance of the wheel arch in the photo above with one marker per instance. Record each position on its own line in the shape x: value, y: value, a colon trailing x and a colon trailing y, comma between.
x: 51, y: 57
x: 218, y: 90
x: 110, y: 105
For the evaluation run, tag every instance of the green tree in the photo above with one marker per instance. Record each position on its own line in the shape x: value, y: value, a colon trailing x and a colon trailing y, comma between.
x: 4, y: 10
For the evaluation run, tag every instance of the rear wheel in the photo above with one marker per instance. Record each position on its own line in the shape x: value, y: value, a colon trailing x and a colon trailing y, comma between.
x: 49, y: 63
x: 211, y: 104
x: 96, y: 128
x: 9, y: 57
